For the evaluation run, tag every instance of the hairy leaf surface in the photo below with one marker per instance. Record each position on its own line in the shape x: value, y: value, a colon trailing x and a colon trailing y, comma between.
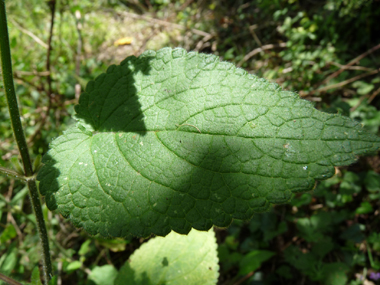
x: 174, y: 140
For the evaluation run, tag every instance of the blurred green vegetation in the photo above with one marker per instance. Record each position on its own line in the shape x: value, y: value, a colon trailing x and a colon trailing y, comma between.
x: 328, y: 51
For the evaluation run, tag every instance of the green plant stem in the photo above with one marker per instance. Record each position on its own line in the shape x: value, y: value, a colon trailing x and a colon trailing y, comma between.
x: 36, y: 202
x: 14, y: 174
x: 6, y: 65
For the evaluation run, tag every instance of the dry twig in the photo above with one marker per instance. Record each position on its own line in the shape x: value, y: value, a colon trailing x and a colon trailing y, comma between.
x: 345, y: 67
x: 340, y: 84
x: 258, y: 50
x: 29, y: 33
x: 373, y: 95
x: 163, y: 23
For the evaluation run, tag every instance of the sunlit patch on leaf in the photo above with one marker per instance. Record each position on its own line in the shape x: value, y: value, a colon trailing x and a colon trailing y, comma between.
x: 175, y: 259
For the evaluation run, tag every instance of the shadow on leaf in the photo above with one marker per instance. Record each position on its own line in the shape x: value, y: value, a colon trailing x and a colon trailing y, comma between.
x: 110, y: 102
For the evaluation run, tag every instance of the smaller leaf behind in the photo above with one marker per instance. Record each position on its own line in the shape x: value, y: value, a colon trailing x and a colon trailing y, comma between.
x: 175, y: 259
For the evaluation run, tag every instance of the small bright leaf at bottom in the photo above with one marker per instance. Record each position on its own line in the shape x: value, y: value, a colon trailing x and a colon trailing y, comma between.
x: 174, y: 140
x: 175, y: 259
x: 103, y: 275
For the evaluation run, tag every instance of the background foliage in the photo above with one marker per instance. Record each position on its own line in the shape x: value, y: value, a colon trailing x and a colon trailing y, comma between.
x: 328, y: 51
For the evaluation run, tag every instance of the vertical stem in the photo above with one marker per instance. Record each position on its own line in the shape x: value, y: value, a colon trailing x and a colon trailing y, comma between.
x: 51, y: 4
x: 36, y: 202
x: 6, y: 65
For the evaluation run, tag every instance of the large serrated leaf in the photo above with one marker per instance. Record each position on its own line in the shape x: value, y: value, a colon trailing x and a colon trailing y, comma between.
x: 174, y: 140
x: 175, y: 259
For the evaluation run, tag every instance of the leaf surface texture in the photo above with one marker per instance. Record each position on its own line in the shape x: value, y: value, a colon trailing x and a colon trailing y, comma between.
x: 174, y: 140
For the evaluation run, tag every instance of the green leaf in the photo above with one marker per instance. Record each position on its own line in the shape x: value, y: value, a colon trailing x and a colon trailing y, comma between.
x: 323, y: 247
x: 353, y: 233
x: 8, y: 261
x: 85, y: 247
x: 8, y: 234
x: 175, y: 259
x: 285, y: 271
x: 363, y: 87
x: 17, y: 164
x: 374, y: 239
x: 36, y: 278
x: 350, y: 184
x: 53, y: 280
x: 335, y: 273
x: 372, y: 181
x: 174, y: 140
x: 365, y: 208
x: 312, y: 229
x: 37, y: 163
x: 114, y: 245
x: 307, y: 263
x: 74, y: 265
x: 227, y: 259
x: 19, y: 197
x: 304, y: 199
x: 253, y: 260
x: 103, y: 275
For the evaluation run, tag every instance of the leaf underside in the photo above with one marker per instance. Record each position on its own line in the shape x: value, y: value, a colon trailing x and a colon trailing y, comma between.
x: 173, y: 140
